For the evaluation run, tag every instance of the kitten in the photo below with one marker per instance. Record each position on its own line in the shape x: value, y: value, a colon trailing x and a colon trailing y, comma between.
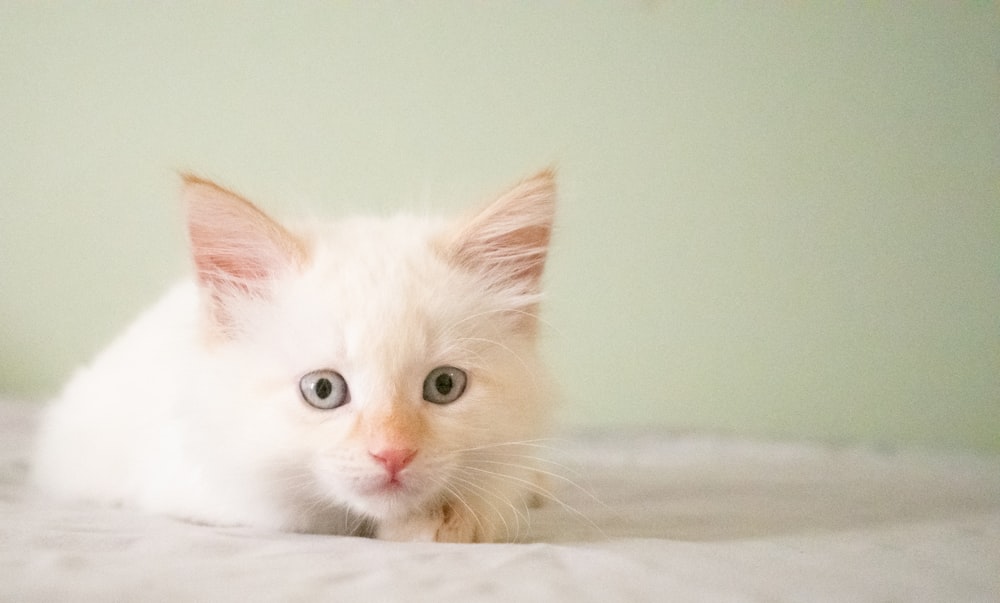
x: 375, y: 377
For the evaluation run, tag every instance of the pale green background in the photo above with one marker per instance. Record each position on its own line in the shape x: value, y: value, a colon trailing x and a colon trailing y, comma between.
x: 778, y: 219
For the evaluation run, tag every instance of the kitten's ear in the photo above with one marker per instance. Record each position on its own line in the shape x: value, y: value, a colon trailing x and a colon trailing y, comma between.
x: 508, y: 240
x: 237, y: 249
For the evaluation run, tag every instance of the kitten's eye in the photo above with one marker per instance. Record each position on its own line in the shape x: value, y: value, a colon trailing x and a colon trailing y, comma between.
x: 324, y: 389
x: 444, y: 385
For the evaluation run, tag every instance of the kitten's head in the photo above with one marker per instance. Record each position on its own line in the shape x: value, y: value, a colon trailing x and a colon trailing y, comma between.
x: 385, y: 364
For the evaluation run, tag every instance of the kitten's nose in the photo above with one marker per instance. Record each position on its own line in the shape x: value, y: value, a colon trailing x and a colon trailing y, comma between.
x: 394, y: 459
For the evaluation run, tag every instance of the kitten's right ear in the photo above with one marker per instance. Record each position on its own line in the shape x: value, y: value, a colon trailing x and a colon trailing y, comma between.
x: 508, y: 240
x: 237, y: 249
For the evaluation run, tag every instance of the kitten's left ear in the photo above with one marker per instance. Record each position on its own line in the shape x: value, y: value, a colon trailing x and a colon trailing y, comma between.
x: 508, y: 240
x: 238, y: 250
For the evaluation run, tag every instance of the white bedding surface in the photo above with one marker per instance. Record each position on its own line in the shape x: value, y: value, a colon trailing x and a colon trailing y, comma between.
x: 652, y: 517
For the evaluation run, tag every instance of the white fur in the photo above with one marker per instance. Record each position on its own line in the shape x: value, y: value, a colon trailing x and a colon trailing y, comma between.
x: 174, y: 418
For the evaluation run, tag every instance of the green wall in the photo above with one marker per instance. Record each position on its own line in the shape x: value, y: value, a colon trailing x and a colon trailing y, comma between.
x: 778, y: 219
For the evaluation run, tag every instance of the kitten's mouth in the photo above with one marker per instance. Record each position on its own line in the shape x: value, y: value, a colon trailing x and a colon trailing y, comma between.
x: 387, y: 485
x: 381, y: 494
x: 389, y: 495
x: 392, y: 484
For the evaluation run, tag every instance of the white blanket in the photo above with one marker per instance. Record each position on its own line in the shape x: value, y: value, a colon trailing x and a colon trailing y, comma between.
x: 652, y: 517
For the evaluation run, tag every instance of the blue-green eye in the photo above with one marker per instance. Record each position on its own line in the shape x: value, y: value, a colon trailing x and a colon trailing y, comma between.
x: 444, y: 385
x: 325, y: 389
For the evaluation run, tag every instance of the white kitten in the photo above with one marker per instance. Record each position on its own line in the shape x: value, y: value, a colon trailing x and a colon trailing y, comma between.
x: 341, y: 378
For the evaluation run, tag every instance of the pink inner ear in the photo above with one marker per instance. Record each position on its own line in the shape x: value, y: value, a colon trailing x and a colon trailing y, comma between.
x: 234, y: 244
x: 508, y: 240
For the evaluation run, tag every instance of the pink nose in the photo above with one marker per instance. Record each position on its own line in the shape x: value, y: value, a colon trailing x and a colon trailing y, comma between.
x: 394, y: 459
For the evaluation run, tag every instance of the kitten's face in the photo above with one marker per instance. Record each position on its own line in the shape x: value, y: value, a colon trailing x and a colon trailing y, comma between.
x: 387, y: 364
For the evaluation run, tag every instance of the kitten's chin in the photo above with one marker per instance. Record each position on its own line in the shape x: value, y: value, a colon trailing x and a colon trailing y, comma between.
x: 388, y: 498
x: 381, y: 497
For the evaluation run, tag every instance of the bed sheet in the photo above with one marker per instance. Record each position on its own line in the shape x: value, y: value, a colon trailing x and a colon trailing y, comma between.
x: 640, y: 517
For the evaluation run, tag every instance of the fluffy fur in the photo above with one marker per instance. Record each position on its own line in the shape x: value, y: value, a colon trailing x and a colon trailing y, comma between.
x: 196, y: 410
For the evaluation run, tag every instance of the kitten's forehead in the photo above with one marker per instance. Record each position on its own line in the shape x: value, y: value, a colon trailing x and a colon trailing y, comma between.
x: 375, y: 283
x: 371, y: 259
x: 367, y: 235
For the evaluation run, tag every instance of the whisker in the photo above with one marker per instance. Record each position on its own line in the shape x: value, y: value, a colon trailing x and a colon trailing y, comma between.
x: 502, y: 346
x: 457, y: 496
x: 550, y: 474
x: 489, y: 494
x: 534, y: 315
x: 538, y: 489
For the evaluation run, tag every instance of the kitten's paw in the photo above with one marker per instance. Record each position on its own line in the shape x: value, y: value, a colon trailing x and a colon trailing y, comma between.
x: 444, y: 524
x: 458, y: 524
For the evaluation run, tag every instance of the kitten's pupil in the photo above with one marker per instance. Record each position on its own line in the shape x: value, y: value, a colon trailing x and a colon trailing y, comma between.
x: 443, y: 384
x: 324, y: 388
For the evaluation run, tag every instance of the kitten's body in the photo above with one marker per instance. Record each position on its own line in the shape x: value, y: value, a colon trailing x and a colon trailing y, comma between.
x: 196, y: 411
